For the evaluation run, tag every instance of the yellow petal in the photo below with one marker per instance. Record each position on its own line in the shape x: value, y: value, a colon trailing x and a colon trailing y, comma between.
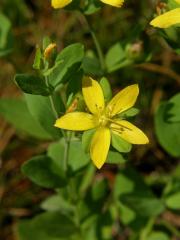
x: 178, y: 1
x: 93, y: 95
x: 167, y: 19
x: 129, y: 132
x: 60, y: 3
x: 76, y: 121
x: 124, y: 100
x: 100, y: 146
x: 114, y: 3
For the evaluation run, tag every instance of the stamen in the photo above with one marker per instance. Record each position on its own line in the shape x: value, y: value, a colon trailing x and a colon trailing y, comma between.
x: 117, y: 130
x: 118, y: 124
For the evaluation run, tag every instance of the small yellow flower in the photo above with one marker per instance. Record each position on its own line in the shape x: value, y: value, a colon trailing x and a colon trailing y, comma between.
x: 104, y: 119
x: 63, y: 3
x: 167, y: 19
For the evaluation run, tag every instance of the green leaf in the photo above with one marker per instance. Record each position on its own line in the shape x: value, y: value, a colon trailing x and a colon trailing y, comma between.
x: 32, y: 84
x: 74, y: 5
x: 91, y: 6
x: 44, y: 172
x: 174, y: 109
x: 120, y: 145
x: 15, y: 112
x: 173, y: 201
x: 28, y: 231
x: 37, y: 59
x: 106, y: 87
x: 115, y: 158
x: 167, y: 131
x: 46, y: 42
x: 126, y: 213
x: 56, y: 224
x: 5, y: 35
x: 75, y: 83
x: 77, y: 159
x: 91, y: 66
x: 86, y: 139
x: 87, y: 178
x: 144, y: 206
x: 41, y: 109
x: 47, y: 226
x: 67, y: 64
x: 99, y: 189
x: 114, y: 57
x: 172, y: 4
x: 155, y: 235
x: 129, y: 113
x: 57, y: 203
x: 136, y: 195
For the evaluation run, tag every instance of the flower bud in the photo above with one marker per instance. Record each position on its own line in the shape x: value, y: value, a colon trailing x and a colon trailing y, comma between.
x: 49, y: 50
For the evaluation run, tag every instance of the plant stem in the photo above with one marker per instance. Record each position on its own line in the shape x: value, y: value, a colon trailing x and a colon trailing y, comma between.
x: 66, y: 151
x: 171, y: 228
x: 66, y: 136
x: 97, y: 44
x: 148, y: 228
x: 54, y: 108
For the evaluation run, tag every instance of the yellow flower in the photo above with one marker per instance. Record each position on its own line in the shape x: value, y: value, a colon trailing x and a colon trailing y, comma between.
x: 167, y: 19
x: 63, y: 3
x: 104, y: 119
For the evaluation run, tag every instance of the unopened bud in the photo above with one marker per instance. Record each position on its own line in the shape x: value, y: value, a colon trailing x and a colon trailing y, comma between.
x: 134, y: 50
x: 48, y: 51
x: 73, y: 106
x: 161, y: 7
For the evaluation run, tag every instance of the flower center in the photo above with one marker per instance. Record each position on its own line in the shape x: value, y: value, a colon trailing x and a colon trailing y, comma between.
x: 103, y: 121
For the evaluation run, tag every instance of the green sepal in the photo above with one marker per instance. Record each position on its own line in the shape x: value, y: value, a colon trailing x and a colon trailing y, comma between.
x: 106, y: 87
x: 120, y: 144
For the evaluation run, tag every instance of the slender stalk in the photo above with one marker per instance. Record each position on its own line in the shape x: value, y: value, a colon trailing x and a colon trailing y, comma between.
x: 53, y: 107
x: 97, y: 44
x: 66, y: 151
x: 170, y: 227
x: 51, y: 100
x: 67, y: 137
x: 148, y: 228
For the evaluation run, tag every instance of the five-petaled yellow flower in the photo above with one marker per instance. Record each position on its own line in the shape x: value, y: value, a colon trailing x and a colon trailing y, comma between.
x: 167, y: 19
x: 104, y: 119
x: 63, y: 3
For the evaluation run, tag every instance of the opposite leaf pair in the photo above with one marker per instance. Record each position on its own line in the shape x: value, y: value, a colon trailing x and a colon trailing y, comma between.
x: 104, y: 119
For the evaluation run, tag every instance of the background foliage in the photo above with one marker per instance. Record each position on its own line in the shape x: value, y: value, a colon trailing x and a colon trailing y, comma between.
x: 136, y: 194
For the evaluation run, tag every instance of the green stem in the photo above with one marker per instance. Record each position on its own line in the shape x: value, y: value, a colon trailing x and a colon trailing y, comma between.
x: 146, y: 231
x: 97, y: 44
x: 53, y: 107
x: 66, y: 151
x: 67, y: 137
x: 171, y: 228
